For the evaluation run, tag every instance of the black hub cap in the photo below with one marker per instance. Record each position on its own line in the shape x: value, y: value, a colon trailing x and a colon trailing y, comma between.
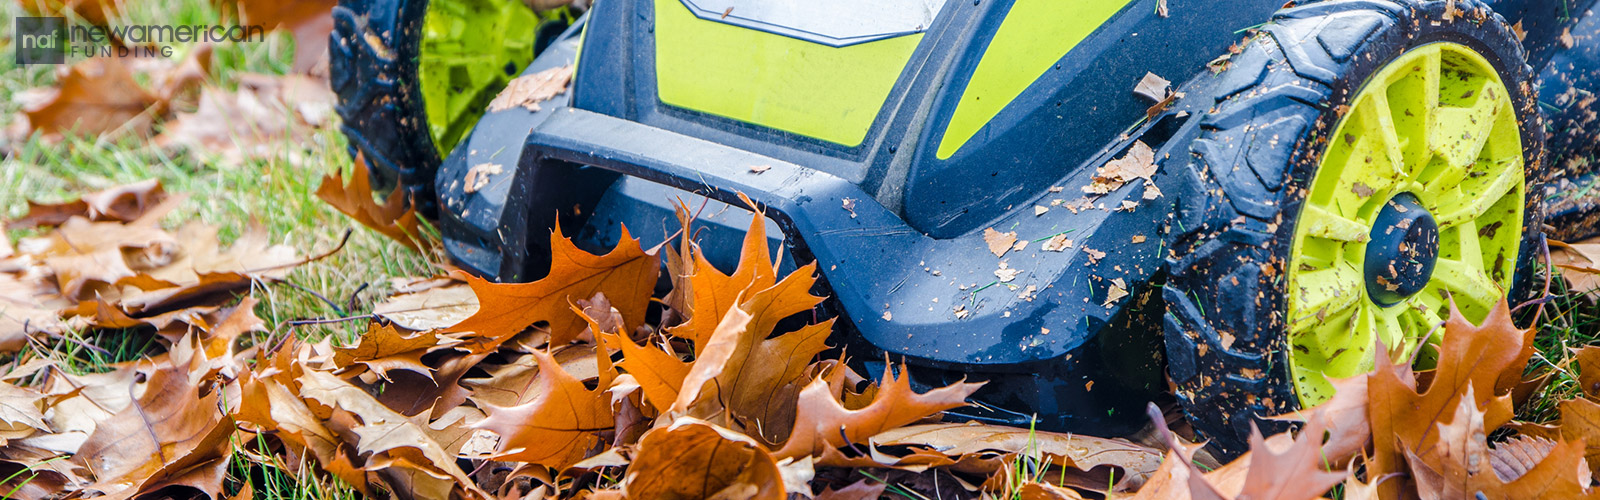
x: 1403, y: 249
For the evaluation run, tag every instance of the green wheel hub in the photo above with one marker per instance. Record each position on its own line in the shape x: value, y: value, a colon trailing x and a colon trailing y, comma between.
x: 470, y: 49
x: 1434, y: 131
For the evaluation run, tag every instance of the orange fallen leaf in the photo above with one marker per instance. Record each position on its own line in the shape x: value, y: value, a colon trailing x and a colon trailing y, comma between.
x: 558, y: 427
x: 162, y: 437
x: 753, y: 376
x: 393, y: 219
x: 99, y: 96
x: 707, y: 293
x: 94, y: 98
x: 822, y: 422
x: 626, y: 275
x: 1475, y: 360
x: 659, y: 374
x: 311, y: 22
x: 124, y: 203
x: 694, y: 459
x: 384, y: 348
x: 1046, y: 491
x: 999, y: 243
x: 1281, y: 467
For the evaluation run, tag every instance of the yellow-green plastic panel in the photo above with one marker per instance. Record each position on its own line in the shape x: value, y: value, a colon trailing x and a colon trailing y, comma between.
x: 1034, y: 35
x: 828, y: 93
x: 466, y: 47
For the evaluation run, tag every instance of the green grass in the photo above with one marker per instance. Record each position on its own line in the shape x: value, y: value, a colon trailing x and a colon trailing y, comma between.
x: 275, y: 192
x: 1570, y: 321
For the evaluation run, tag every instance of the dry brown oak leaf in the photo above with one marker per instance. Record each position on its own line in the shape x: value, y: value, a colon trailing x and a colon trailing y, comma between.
x: 558, y: 427
x: 393, y: 441
x: 1281, y: 467
x: 430, y: 308
x: 268, y: 405
x: 528, y: 91
x: 1580, y: 422
x: 711, y: 294
x: 754, y: 377
x: 823, y: 423
x: 514, y: 383
x: 170, y: 435
x: 694, y: 459
x: 123, y: 203
x: 393, y: 219
x: 1457, y: 464
x: 96, y: 96
x: 385, y: 348
x: 1578, y: 264
x: 626, y: 275
x: 311, y: 22
x: 1487, y: 359
x: 967, y: 442
x: 202, y: 269
x: 100, y: 96
x: 88, y: 257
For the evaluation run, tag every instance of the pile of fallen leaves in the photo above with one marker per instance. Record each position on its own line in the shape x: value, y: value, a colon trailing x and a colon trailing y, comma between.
x: 585, y: 385
x: 107, y: 263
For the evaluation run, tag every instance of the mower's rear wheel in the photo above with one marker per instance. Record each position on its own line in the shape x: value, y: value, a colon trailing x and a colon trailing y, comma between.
x: 413, y: 76
x: 1366, y: 162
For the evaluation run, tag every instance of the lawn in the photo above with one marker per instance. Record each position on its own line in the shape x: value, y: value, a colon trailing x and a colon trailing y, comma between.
x: 277, y: 192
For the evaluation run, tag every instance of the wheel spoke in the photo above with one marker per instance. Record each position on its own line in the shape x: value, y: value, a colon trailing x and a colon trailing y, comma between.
x: 1411, y: 96
x: 1467, y: 284
x: 1390, y: 327
x: 1322, y: 294
x: 1468, y: 248
x: 1348, y: 353
x: 1458, y: 134
x: 1321, y: 223
x: 1474, y: 202
x: 1378, y: 109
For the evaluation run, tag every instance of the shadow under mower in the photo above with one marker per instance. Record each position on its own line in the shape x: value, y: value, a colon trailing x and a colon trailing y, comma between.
x: 1330, y: 174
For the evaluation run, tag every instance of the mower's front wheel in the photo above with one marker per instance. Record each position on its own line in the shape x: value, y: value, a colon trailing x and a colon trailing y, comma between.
x: 1366, y: 164
x: 413, y: 76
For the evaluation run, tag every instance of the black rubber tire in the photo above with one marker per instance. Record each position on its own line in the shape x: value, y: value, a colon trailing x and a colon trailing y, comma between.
x: 1240, y: 197
x: 372, y: 58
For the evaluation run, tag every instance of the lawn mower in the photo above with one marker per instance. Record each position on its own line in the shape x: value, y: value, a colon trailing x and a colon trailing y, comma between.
x: 988, y: 198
